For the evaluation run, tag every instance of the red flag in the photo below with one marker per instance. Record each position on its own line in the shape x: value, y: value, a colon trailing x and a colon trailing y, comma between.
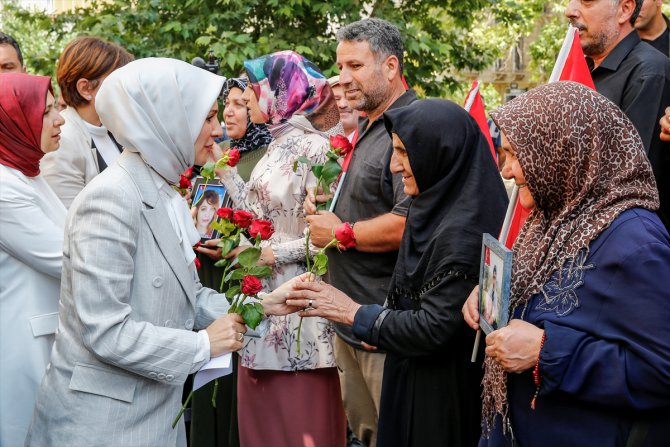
x: 571, y: 63
x: 518, y: 218
x: 475, y: 106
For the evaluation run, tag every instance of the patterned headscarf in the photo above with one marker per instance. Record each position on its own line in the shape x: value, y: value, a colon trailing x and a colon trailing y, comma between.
x: 22, y: 104
x: 584, y: 164
x: 257, y: 135
x: 288, y: 84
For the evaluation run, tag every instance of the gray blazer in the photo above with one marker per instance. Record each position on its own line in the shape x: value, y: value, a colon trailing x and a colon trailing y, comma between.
x: 128, y: 305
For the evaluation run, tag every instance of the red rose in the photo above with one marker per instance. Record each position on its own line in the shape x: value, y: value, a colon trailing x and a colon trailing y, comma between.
x: 197, y: 263
x: 242, y: 218
x: 224, y: 213
x: 262, y: 227
x: 233, y: 157
x: 251, y: 285
x: 184, y: 182
x: 341, y: 145
x: 345, y: 236
x: 189, y: 172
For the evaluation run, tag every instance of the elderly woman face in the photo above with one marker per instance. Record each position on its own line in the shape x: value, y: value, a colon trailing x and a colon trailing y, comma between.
x: 205, y: 144
x: 512, y: 170
x: 400, y: 165
x: 51, y: 122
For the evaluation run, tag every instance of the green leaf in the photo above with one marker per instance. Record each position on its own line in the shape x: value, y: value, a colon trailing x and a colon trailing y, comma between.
x: 251, y: 315
x: 261, y: 271
x: 316, y: 170
x: 235, y: 275
x: 207, y: 170
x: 222, y: 263
x: 331, y: 170
x: 232, y: 292
x: 249, y: 257
x: 226, y: 245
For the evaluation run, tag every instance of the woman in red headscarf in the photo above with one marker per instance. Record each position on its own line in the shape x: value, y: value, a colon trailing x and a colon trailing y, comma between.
x: 31, y: 246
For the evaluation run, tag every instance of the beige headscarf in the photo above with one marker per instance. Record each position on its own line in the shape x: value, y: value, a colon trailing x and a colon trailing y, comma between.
x: 584, y: 164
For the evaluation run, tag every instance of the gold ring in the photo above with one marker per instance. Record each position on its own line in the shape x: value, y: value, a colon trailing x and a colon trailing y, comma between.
x: 240, y: 336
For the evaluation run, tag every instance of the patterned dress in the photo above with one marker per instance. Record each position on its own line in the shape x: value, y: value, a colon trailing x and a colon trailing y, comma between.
x: 276, y: 193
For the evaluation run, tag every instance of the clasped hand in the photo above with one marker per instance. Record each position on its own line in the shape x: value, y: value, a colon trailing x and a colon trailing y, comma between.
x: 515, y: 347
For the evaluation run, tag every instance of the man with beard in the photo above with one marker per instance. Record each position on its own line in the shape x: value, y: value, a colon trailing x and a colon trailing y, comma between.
x: 371, y: 203
x: 630, y: 73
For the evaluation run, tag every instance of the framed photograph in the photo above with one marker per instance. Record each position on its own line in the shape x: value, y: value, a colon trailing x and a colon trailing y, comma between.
x: 207, y: 197
x: 494, y: 282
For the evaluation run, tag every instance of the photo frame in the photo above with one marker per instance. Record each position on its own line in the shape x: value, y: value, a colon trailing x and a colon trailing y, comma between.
x: 207, y: 197
x: 495, y: 275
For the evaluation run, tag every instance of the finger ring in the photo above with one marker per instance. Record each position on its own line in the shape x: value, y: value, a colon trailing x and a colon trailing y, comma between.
x: 240, y: 336
x: 309, y: 303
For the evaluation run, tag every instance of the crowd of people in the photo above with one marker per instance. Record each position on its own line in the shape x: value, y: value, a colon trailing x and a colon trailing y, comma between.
x: 110, y: 299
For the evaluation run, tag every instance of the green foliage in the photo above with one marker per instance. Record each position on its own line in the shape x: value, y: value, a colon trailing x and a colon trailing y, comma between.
x: 544, y: 50
x: 441, y: 36
x: 252, y: 314
x: 249, y: 257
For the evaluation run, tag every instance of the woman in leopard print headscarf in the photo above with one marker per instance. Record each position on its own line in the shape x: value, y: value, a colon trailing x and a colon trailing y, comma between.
x: 586, y: 291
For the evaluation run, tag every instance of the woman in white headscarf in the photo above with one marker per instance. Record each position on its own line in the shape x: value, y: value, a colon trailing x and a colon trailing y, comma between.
x: 130, y: 295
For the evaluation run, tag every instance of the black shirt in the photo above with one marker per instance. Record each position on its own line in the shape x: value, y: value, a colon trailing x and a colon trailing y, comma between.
x: 636, y: 77
x: 369, y: 190
x: 662, y: 42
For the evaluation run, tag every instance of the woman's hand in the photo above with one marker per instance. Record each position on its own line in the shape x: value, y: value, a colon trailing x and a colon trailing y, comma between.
x: 274, y: 303
x: 210, y: 249
x: 665, y: 125
x: 312, y: 200
x: 515, y: 347
x: 226, y: 334
x: 319, y: 299
x: 471, y: 309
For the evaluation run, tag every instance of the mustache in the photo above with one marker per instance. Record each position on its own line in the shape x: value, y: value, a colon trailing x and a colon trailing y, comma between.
x: 579, y: 26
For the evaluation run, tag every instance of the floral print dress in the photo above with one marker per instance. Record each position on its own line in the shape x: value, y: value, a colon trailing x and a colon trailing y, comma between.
x: 276, y: 193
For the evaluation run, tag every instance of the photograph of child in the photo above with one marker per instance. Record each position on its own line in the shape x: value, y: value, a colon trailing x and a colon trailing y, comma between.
x: 491, y: 301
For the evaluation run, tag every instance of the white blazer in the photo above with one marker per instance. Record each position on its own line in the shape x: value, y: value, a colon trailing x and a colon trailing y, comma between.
x: 129, y: 304
x: 70, y: 168
x: 31, y: 247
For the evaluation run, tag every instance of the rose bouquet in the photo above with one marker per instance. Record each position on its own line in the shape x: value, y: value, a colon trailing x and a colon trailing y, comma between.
x: 243, y: 283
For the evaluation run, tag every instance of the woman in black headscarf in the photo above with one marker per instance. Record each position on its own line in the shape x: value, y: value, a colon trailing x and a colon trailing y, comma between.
x: 249, y: 138
x: 430, y: 391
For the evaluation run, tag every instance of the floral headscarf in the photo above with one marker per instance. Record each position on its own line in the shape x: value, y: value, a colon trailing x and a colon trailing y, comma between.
x: 288, y: 84
x: 257, y: 135
x: 22, y: 104
x: 584, y: 164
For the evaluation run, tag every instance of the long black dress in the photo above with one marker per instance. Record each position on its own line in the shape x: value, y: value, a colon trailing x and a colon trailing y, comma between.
x: 431, y: 391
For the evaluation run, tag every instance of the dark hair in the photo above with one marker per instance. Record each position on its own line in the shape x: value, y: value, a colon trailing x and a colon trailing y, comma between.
x: 210, y: 196
x: 636, y: 11
x: 6, y: 39
x: 90, y: 58
x: 382, y: 36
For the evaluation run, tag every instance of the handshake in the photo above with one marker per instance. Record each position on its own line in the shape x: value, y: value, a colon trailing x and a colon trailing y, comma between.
x: 301, y: 294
